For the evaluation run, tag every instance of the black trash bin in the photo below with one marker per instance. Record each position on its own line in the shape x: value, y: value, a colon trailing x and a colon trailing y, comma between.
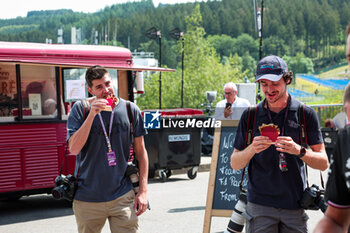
x: 177, y: 144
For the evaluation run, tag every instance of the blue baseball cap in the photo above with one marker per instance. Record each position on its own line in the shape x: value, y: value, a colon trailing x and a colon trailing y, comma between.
x: 271, y: 68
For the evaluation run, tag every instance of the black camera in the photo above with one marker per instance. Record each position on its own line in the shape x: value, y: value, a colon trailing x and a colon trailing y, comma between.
x: 237, y: 220
x: 132, y: 172
x: 65, y: 187
x: 313, y: 199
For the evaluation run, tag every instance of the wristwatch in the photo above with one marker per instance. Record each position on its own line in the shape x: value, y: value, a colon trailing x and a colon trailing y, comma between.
x: 302, y: 152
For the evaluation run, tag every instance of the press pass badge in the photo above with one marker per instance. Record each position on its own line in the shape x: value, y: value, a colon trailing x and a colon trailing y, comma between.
x: 112, y: 159
x: 283, y: 162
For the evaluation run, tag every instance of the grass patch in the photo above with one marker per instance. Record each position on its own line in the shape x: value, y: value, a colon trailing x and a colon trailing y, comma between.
x: 337, y: 73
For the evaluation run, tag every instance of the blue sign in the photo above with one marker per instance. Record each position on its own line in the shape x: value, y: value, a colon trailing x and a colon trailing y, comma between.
x: 151, y: 120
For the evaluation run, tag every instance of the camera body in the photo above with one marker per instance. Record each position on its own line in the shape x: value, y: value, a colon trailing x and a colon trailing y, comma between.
x: 228, y: 105
x: 237, y: 220
x: 65, y: 187
x: 132, y: 172
x: 313, y: 199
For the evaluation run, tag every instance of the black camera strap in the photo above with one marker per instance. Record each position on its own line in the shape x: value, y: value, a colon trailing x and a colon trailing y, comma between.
x: 303, y: 139
x: 248, y: 138
x: 131, y: 120
x: 86, y: 109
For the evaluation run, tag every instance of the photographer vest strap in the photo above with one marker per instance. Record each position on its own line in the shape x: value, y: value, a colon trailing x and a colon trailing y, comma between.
x: 249, y: 136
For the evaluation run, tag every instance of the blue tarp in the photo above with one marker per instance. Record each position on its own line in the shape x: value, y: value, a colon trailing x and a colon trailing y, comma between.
x: 337, y: 84
x: 298, y: 93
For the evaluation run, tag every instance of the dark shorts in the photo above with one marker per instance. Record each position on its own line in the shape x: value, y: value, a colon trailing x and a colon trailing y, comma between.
x: 265, y: 219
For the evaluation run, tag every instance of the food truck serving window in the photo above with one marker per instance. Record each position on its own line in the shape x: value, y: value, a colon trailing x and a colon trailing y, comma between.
x: 74, y: 84
x: 8, y: 91
x: 38, y: 91
x: 75, y: 87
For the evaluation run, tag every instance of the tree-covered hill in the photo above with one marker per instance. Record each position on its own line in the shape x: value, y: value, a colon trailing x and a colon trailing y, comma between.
x: 312, y: 27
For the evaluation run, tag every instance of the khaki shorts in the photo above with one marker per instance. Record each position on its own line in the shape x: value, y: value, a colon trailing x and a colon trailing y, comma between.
x: 265, y: 219
x: 91, y: 216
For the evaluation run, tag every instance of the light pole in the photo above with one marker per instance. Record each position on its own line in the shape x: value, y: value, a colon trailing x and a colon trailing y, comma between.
x: 176, y: 34
x: 259, y: 27
x: 153, y: 33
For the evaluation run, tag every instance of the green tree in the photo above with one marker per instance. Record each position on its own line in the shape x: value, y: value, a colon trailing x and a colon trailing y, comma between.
x: 246, y: 43
x: 203, y: 72
x: 223, y: 44
x: 275, y: 45
x: 299, y: 64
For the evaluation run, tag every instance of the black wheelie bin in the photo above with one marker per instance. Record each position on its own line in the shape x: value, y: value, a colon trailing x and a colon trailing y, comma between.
x: 176, y: 144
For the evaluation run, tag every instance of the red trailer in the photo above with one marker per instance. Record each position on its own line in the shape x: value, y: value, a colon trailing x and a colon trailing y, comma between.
x: 38, y: 85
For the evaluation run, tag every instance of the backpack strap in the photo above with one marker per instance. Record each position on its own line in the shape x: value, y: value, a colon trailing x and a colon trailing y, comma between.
x: 249, y: 136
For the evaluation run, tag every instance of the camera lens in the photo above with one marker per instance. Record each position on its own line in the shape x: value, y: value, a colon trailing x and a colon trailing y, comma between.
x: 237, y: 221
x: 58, y: 192
x: 131, y: 172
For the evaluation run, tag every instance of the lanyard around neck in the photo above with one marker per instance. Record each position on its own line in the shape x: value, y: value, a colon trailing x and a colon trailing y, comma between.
x: 105, y: 132
x: 285, y: 114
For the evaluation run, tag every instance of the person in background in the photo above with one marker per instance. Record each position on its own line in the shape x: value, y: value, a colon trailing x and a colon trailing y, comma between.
x: 337, y: 216
x: 328, y: 123
x: 232, y: 107
x: 50, y: 107
x: 340, y: 120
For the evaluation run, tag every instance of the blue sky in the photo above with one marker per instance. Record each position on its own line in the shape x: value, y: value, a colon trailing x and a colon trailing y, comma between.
x: 14, y: 8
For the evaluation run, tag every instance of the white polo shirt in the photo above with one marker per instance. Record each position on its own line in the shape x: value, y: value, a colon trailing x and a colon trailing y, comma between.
x: 238, y: 107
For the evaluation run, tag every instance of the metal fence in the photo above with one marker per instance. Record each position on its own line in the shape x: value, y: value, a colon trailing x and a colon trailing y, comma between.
x: 327, y: 111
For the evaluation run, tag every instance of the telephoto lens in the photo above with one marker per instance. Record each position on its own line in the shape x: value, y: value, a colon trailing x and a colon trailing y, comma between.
x: 237, y: 221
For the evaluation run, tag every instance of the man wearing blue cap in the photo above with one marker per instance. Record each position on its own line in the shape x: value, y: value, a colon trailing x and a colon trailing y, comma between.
x: 276, y: 169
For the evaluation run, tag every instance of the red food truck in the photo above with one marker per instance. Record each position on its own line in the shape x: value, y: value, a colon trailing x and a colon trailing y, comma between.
x: 38, y: 85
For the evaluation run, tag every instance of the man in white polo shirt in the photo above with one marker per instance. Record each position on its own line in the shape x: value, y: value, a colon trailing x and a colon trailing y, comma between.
x: 232, y: 107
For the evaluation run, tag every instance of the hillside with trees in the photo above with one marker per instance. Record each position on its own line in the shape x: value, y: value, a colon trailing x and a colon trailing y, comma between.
x: 221, y: 43
x: 313, y: 28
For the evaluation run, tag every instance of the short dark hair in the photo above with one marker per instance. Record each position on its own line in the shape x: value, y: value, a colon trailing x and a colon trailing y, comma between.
x: 94, y: 72
x: 288, y: 77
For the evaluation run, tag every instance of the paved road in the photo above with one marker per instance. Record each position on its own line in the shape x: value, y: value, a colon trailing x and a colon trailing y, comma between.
x: 177, y: 206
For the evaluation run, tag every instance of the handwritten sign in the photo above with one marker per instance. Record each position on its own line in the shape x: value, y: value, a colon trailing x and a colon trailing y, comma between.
x: 223, y: 188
